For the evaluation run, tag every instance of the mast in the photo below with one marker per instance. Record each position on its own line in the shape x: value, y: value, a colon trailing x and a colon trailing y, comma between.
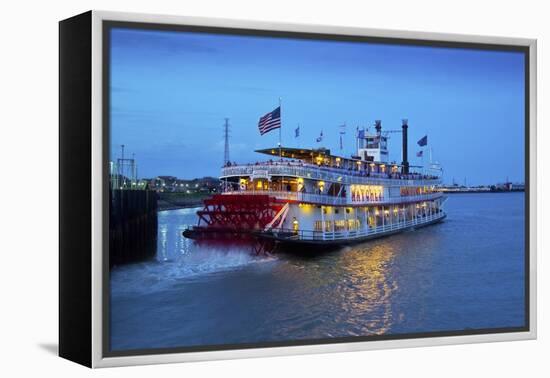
x: 357, y: 140
x: 342, y: 132
x: 226, y: 150
x: 121, y: 165
x: 134, y: 169
x: 280, y: 128
x: 226, y: 138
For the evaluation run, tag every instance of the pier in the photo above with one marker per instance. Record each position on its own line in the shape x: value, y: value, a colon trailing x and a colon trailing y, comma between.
x: 133, y: 225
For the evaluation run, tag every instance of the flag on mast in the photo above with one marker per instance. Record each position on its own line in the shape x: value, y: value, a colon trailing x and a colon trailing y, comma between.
x: 423, y: 141
x: 270, y: 121
x: 320, y: 137
x: 343, y: 129
x: 342, y: 132
x: 420, y: 153
x: 297, y: 132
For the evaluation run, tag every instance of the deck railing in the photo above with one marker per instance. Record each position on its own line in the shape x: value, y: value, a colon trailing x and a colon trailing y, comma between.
x: 325, y: 173
x: 323, y: 199
x: 354, y: 234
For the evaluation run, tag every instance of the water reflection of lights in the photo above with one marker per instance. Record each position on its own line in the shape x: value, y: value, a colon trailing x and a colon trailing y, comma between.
x: 349, y: 292
x: 368, y: 288
x: 170, y: 243
x: 163, y: 241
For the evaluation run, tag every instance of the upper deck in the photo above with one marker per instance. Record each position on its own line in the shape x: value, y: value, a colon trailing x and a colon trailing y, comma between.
x: 362, y: 174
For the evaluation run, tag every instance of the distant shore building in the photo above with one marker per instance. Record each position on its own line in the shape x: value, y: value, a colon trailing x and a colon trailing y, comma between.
x: 500, y: 187
x: 172, y: 184
x: 510, y: 187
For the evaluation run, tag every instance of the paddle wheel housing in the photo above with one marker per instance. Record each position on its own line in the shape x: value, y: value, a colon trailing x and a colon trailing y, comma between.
x: 239, y: 212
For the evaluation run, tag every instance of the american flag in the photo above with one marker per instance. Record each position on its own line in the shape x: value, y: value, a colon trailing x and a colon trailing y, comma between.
x: 420, y: 153
x: 270, y: 121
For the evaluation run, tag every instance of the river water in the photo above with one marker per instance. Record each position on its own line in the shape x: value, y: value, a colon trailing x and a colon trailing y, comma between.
x: 465, y: 273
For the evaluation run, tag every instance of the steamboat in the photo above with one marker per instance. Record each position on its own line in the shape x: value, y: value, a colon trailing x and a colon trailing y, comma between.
x: 301, y: 198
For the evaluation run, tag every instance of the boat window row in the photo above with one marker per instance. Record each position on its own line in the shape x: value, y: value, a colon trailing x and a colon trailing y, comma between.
x: 351, y: 167
x: 375, y: 216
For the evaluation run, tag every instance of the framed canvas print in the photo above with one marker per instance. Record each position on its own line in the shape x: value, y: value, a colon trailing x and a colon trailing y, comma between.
x: 233, y: 189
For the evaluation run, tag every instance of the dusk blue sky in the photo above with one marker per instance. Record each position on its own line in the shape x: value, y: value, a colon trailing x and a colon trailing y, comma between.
x: 170, y: 93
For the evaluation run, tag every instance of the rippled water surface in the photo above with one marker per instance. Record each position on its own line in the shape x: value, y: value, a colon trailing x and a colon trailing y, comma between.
x: 464, y: 273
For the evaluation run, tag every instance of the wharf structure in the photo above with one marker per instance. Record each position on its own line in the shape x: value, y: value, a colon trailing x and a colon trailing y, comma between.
x: 133, y: 219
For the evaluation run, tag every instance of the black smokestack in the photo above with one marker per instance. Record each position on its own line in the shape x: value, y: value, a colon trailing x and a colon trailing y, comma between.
x: 378, y: 126
x: 405, y: 163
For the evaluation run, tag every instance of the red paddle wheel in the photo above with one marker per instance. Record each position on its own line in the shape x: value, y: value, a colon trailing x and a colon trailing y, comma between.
x: 239, y: 212
x: 235, y: 217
